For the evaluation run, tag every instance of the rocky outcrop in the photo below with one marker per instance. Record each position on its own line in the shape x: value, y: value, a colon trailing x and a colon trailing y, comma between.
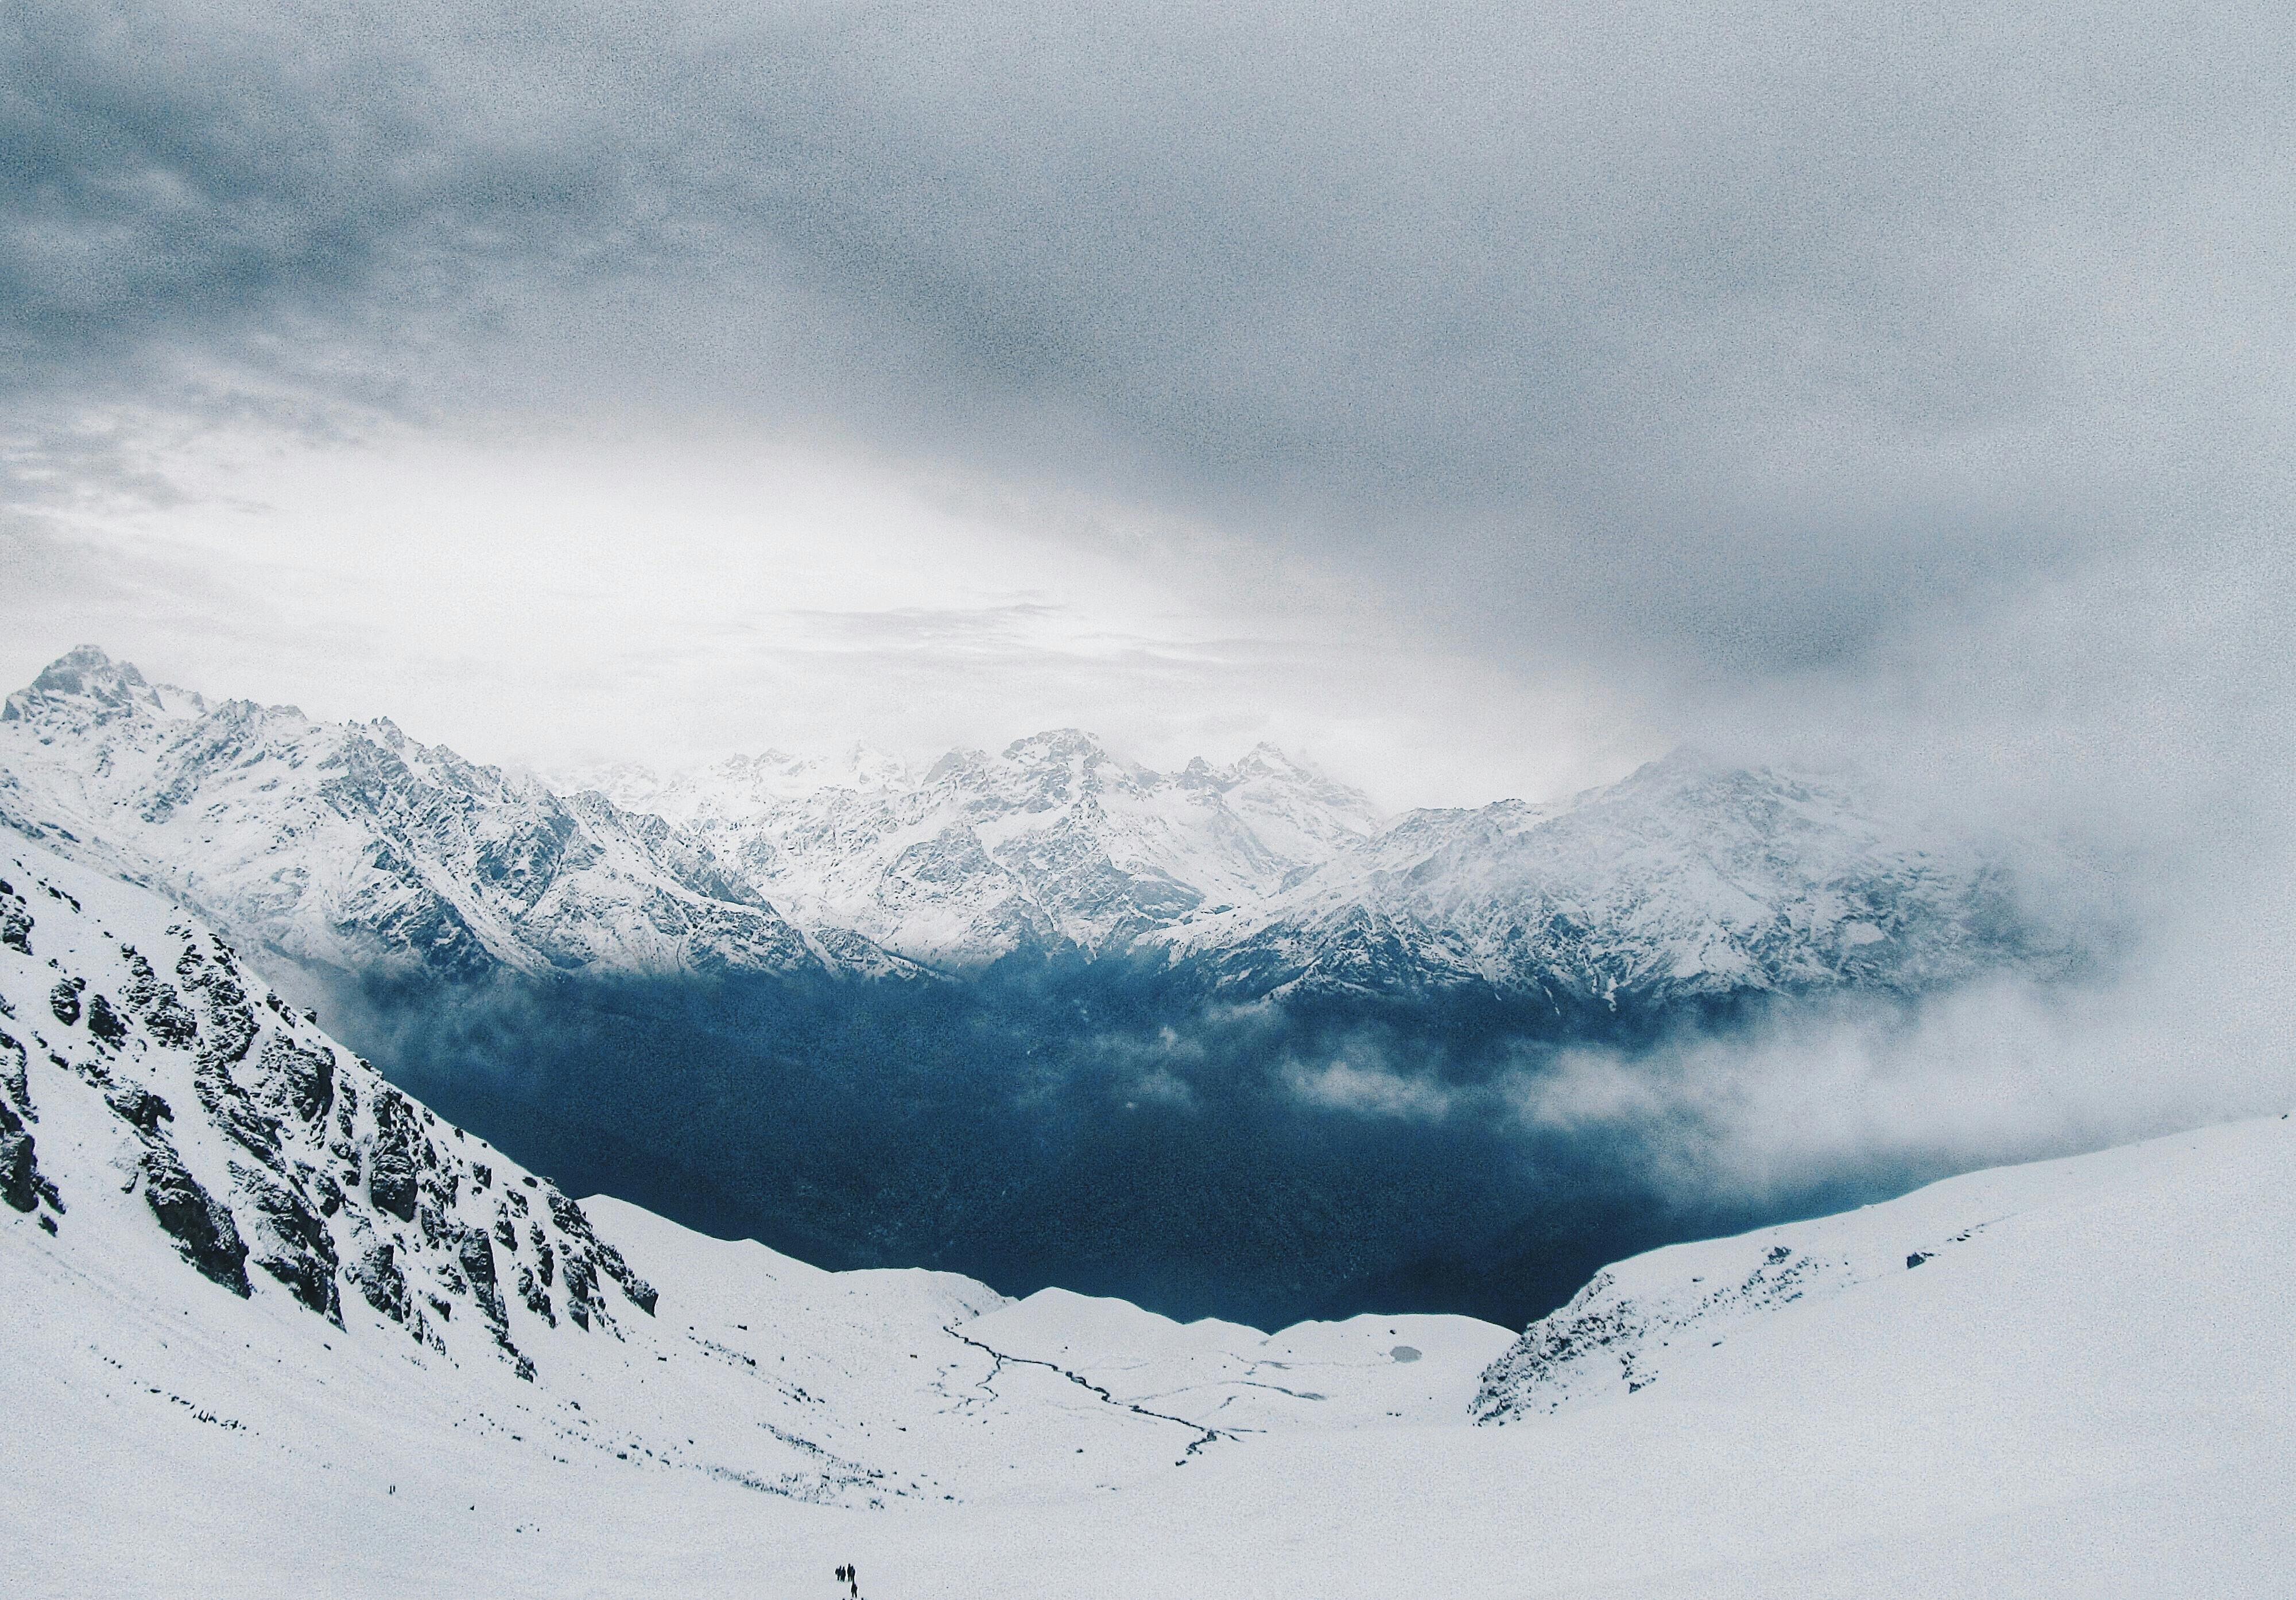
x: 288, y: 1238
x: 20, y: 1168
x: 203, y: 1229
x: 259, y: 1142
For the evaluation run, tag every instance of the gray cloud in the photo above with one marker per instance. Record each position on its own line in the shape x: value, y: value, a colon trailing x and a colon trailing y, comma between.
x: 1705, y: 343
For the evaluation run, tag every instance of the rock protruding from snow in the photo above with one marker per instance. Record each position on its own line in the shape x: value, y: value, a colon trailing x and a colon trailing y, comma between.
x: 263, y: 1152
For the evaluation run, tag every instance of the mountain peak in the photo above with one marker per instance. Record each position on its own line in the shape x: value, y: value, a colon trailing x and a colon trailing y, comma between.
x: 86, y: 680
x: 1057, y: 744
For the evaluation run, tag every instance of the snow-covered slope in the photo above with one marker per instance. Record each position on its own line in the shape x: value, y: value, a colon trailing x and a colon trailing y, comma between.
x: 2070, y: 1379
x: 1051, y: 844
x: 1686, y: 879
x: 1665, y: 1318
x: 350, y: 845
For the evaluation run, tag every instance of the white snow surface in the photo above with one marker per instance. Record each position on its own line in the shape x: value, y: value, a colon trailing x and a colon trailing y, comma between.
x: 2084, y: 1388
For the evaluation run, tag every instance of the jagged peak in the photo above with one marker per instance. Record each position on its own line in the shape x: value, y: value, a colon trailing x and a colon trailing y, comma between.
x: 1060, y: 743
x: 85, y: 678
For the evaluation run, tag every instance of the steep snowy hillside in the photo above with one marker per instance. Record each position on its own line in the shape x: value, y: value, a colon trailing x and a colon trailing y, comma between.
x: 1686, y: 880
x: 1053, y: 843
x: 352, y: 846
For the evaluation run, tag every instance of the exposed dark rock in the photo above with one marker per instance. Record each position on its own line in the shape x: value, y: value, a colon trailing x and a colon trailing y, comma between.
x: 288, y: 1241
x: 1917, y: 1258
x: 437, y: 1227
x: 531, y: 1292
x: 16, y: 925
x: 19, y: 1172
x: 296, y: 1080
x: 328, y: 1192
x: 574, y: 1225
x: 476, y: 1257
x: 64, y: 1001
x: 235, y: 1111
x: 200, y: 1224
x: 393, y: 1166
x: 378, y: 1278
x: 442, y: 1187
x: 230, y: 1025
x: 581, y: 1290
x: 12, y: 1082
x: 139, y: 1107
x: 156, y: 1005
x: 104, y: 1022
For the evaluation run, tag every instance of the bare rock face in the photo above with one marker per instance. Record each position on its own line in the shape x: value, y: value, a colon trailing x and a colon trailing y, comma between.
x: 202, y: 1226
x: 12, y: 1082
x: 20, y: 1169
x: 394, y: 1165
x: 289, y: 1239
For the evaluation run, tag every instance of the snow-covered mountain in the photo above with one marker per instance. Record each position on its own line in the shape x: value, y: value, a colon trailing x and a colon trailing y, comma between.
x: 1686, y: 880
x: 271, y: 1330
x: 350, y: 845
x: 738, y: 788
x: 1053, y: 843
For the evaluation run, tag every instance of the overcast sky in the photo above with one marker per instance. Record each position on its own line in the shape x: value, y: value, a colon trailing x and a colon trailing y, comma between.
x: 1479, y: 398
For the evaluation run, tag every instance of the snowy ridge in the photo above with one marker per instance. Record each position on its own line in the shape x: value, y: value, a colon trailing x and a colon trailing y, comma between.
x: 2066, y: 1379
x: 1053, y: 842
x: 1686, y: 879
x: 146, y: 1076
x: 1663, y: 1318
x: 353, y: 845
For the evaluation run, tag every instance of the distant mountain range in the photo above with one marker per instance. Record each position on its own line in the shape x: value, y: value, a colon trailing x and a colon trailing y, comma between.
x: 354, y: 847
